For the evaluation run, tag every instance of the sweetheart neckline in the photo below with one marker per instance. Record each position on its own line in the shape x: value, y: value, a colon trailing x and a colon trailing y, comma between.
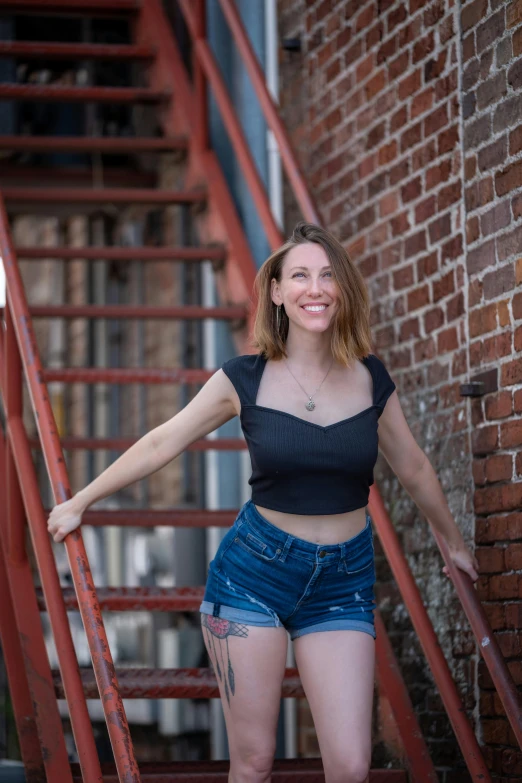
x: 312, y: 423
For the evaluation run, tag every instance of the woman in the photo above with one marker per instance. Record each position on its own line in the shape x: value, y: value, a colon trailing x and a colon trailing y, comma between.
x: 299, y: 558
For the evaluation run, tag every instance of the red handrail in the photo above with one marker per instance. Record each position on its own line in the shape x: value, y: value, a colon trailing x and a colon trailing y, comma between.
x: 80, y: 569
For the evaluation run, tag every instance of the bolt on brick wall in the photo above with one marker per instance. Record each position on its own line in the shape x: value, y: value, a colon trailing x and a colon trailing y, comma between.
x: 383, y: 102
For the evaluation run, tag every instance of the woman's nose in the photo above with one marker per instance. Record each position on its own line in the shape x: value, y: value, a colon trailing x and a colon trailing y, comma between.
x: 314, y: 284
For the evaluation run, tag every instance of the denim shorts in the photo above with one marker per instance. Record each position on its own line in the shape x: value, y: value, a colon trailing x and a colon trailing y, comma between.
x: 263, y: 576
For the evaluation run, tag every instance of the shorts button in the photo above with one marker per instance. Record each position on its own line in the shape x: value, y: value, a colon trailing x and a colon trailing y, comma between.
x: 322, y: 554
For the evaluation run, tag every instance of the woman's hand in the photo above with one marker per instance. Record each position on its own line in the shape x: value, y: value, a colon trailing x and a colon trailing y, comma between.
x: 64, y: 518
x: 463, y: 559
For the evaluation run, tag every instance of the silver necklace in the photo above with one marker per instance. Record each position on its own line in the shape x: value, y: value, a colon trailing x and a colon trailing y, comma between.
x: 310, y: 405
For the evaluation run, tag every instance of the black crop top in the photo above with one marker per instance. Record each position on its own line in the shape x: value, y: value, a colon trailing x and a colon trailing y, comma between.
x: 304, y: 468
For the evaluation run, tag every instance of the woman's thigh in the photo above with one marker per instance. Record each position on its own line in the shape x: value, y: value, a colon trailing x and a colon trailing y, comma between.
x: 249, y: 663
x: 337, y: 673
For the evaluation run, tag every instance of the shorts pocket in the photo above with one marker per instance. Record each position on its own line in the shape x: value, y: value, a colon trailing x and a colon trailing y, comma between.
x: 361, y: 564
x: 251, y: 543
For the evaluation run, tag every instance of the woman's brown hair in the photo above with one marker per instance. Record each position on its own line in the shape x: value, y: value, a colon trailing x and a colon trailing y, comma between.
x: 351, y: 337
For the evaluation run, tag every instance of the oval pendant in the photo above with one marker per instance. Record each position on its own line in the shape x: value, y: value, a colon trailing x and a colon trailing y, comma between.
x: 310, y: 405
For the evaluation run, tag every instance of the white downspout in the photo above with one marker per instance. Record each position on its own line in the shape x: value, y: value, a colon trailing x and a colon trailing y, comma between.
x: 275, y: 193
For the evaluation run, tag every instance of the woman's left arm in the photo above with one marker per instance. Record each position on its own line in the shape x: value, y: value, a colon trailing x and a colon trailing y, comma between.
x: 416, y: 474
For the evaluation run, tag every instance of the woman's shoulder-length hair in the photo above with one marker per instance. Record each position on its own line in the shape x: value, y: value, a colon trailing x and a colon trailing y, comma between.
x: 351, y: 335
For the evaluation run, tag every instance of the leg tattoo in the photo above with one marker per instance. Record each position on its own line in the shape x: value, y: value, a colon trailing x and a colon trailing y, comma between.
x: 218, y: 628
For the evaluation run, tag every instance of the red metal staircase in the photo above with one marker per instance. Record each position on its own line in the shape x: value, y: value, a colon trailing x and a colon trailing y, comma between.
x: 180, y: 104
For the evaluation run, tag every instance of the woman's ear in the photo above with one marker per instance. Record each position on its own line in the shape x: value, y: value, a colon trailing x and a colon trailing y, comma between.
x: 275, y: 292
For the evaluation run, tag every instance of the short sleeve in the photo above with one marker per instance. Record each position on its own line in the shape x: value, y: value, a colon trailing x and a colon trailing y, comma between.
x: 383, y: 386
x: 243, y: 373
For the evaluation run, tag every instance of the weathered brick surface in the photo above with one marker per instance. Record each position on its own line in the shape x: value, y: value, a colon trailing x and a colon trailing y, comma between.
x: 406, y: 118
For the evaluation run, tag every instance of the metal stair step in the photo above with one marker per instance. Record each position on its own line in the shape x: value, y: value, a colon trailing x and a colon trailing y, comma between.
x: 67, y: 7
x: 75, y: 51
x: 57, y: 92
x: 187, y: 312
x: 132, y: 599
x: 182, y: 683
x: 309, y: 770
x: 126, y: 375
x: 216, y: 254
x: 103, y: 195
x: 122, y: 444
x: 13, y: 174
x: 123, y: 145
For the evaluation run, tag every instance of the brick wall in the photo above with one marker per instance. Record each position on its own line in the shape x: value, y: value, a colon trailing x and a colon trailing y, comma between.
x: 404, y: 116
x: 492, y: 115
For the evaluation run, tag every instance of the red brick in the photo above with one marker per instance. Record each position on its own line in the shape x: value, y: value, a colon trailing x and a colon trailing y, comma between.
x: 491, y: 559
x: 509, y: 179
x: 415, y: 244
x: 427, y: 266
x: 499, y: 406
x: 433, y: 319
x: 400, y: 224
x: 514, y: 14
x: 423, y: 155
x: 481, y: 257
x: 448, y: 140
x: 499, y: 468
x: 444, y: 286
x: 375, y: 84
x: 513, y: 559
x: 396, y: 17
x: 498, y: 528
x: 387, y: 50
x: 365, y: 18
x: 399, y: 172
x: 447, y: 340
x: 437, y: 174
x: 423, y: 47
x: 452, y: 249
x: 511, y: 434
x: 388, y: 204
x: 424, y: 350
x: 473, y: 13
x: 455, y: 307
x: 411, y: 190
x: 425, y: 209
x: 435, y: 121
x: 409, y: 329
x: 483, y: 320
x: 399, y: 119
x: 479, y: 193
x: 403, y: 278
x: 397, y: 66
x: 470, y: 166
x: 472, y: 230
x: 421, y: 103
x: 418, y: 298
x: 410, y: 84
x: 449, y: 195
x: 440, y: 228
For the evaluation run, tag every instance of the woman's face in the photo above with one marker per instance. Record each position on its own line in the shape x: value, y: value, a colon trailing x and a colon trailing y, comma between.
x: 307, y: 289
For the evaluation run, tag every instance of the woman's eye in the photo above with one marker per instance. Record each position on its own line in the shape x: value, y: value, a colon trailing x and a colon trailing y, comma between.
x: 297, y: 273
x: 328, y: 274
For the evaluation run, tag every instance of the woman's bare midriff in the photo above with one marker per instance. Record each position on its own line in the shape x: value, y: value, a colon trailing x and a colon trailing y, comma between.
x: 318, y: 529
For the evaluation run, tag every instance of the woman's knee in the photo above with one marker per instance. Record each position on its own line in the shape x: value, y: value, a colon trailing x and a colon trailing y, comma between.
x: 354, y: 769
x: 252, y: 766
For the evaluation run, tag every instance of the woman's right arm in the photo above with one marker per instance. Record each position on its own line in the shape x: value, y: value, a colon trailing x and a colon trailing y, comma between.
x: 215, y: 403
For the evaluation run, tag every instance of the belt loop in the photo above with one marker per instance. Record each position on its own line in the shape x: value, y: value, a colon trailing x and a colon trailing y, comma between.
x: 288, y: 544
x: 216, y: 610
